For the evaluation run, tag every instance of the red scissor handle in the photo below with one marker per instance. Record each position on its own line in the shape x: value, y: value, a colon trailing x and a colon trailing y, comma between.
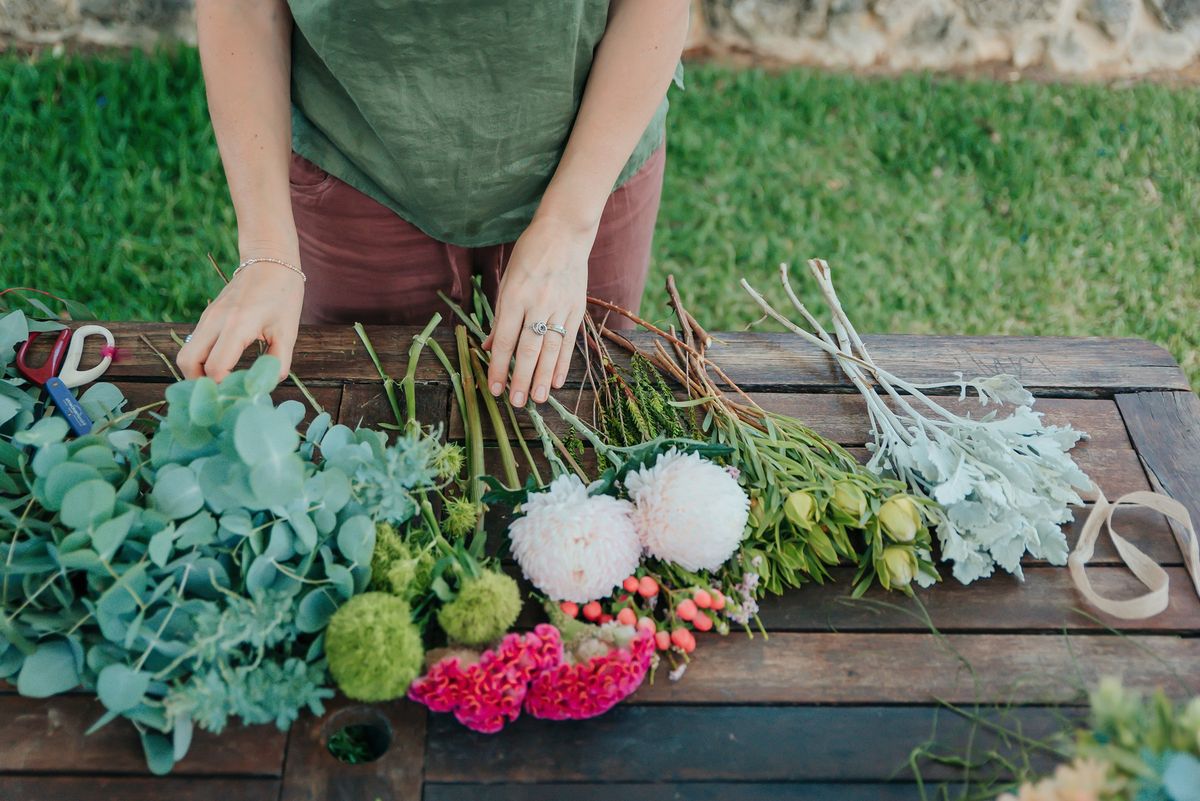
x: 49, y: 368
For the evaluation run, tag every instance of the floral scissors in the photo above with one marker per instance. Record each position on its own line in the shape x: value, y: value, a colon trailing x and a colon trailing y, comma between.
x: 60, y: 372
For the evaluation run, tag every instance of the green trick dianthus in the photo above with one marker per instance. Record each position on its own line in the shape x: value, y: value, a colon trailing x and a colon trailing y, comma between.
x: 485, y: 608
x: 373, y: 647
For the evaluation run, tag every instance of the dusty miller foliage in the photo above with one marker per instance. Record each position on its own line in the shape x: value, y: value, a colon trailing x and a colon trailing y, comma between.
x: 184, y: 566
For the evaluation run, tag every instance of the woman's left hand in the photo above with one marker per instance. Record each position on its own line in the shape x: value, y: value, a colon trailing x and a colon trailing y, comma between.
x: 545, y: 281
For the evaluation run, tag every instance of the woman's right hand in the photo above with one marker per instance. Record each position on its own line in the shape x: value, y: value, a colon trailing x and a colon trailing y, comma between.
x: 261, y: 303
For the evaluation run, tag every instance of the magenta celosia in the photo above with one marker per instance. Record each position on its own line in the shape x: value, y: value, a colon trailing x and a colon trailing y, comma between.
x: 489, y: 693
x: 591, y: 688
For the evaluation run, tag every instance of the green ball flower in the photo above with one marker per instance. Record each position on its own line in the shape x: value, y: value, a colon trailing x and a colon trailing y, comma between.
x: 373, y: 647
x: 484, y: 610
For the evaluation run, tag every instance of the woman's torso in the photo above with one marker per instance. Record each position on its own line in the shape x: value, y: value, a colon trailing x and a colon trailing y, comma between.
x: 453, y: 113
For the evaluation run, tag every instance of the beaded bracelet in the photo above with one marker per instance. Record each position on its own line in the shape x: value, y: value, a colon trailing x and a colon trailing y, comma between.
x: 248, y: 262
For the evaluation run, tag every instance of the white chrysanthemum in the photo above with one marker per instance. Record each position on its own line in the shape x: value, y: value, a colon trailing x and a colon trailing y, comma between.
x: 572, y: 546
x: 687, y: 510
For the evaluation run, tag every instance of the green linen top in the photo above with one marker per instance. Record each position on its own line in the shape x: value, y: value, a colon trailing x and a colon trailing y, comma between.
x: 452, y: 113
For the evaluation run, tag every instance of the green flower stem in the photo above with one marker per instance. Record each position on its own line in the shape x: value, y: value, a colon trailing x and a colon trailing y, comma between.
x: 512, y: 418
x: 602, y: 449
x: 389, y: 386
x: 455, y: 378
x: 409, y: 384
x: 507, y: 460
x: 474, y: 427
x: 552, y: 446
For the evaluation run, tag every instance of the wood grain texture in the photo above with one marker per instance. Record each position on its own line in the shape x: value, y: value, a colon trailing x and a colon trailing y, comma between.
x: 680, y: 791
x: 1045, y: 602
x: 113, y: 788
x: 47, y: 736
x: 860, y: 668
x: 1081, y: 366
x: 723, y: 743
x: 366, y: 404
x: 313, y: 774
x: 1166, y: 428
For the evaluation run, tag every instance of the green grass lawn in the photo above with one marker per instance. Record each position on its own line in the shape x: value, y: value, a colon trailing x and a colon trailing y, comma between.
x: 944, y: 205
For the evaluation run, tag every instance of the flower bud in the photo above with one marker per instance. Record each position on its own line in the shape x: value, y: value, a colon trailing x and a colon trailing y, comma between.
x: 820, y: 544
x: 848, y: 498
x: 900, y: 518
x: 801, y: 509
x: 901, y: 566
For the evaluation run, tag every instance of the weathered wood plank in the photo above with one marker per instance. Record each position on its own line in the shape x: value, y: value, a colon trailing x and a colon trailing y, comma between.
x: 712, y: 744
x: 1165, y: 427
x: 781, y: 362
x: 681, y: 791
x: 1046, y: 601
x: 854, y: 668
x: 366, y: 404
x: 313, y: 774
x: 111, y: 788
x: 40, y: 732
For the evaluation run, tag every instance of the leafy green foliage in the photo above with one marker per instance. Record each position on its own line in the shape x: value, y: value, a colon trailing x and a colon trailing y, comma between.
x: 187, y: 577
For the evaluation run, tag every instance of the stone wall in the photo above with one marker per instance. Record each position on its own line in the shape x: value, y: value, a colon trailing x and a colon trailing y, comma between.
x: 1098, y: 38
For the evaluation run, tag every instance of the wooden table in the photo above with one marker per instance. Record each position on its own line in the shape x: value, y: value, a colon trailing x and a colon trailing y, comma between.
x: 829, y: 707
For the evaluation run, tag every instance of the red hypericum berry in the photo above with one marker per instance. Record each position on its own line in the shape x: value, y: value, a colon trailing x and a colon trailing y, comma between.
x: 569, y: 608
x: 627, y: 617
x: 702, y: 599
x: 591, y: 610
x: 662, y: 640
x: 647, y: 587
x: 631, y: 584
x: 686, y: 609
x: 718, y: 600
x: 702, y: 622
x: 646, y: 624
x: 605, y: 618
x: 683, y: 639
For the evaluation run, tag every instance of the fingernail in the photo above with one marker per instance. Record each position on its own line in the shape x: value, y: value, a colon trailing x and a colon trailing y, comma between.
x: 497, y: 388
x: 518, y: 398
x: 539, y: 394
x: 559, y: 381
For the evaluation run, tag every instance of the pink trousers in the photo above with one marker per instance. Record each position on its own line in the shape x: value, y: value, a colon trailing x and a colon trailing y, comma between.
x: 366, y: 264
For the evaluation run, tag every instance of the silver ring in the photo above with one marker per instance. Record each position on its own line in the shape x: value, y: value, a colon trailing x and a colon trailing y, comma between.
x: 539, y: 327
x: 558, y: 329
x: 187, y: 339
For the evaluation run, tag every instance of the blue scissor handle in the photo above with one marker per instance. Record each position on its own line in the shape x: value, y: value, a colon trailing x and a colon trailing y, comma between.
x: 68, y: 406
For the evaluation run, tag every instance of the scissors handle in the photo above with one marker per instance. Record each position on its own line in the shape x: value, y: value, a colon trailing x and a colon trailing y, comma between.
x: 49, y: 368
x: 70, y: 374
x: 69, y: 407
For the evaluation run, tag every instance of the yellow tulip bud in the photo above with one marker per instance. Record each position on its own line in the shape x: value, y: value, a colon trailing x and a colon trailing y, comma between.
x: 850, y: 499
x: 900, y: 518
x: 801, y: 509
x: 901, y: 566
x: 821, y: 545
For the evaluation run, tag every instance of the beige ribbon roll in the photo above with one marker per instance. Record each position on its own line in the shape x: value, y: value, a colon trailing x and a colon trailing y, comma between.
x: 1147, y: 571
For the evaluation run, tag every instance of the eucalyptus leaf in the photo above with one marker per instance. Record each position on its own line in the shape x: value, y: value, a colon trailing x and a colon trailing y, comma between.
x: 120, y: 687
x: 102, y: 401
x: 204, y: 405
x: 44, y: 432
x: 356, y: 539
x: 177, y: 492
x: 62, y: 478
x: 315, y: 610
x: 48, y: 671
x: 263, y: 376
x: 88, y: 503
x: 160, y: 752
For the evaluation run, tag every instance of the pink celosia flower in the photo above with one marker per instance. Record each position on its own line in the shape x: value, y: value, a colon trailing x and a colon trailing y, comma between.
x: 591, y: 688
x: 489, y: 692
